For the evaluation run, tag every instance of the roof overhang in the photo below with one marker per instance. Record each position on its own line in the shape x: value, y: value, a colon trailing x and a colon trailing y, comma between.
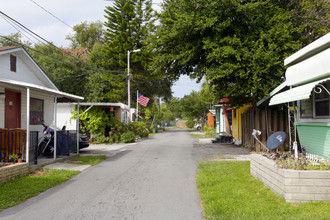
x: 295, y: 94
x: 40, y: 88
x: 100, y: 104
x: 217, y: 106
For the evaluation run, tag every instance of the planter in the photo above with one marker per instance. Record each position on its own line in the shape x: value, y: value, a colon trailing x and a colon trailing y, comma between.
x: 293, y: 185
x: 12, y: 171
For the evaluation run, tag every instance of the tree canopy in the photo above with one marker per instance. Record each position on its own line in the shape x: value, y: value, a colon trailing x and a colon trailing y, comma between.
x: 86, y: 35
x: 239, y: 46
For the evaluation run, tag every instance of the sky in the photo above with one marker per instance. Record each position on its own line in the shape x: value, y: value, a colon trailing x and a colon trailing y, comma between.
x: 53, y: 20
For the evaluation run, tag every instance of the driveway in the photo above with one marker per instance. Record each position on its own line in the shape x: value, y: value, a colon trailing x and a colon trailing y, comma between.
x: 153, y: 179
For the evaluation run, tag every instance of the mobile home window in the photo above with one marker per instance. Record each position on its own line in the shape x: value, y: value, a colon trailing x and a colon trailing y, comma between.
x: 306, y: 108
x: 322, y: 102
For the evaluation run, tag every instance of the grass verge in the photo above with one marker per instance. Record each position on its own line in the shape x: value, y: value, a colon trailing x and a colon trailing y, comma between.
x: 204, y: 136
x: 20, y: 189
x: 88, y: 160
x: 228, y: 191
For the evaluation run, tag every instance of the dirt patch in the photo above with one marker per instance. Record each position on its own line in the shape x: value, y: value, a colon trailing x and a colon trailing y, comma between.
x: 40, y: 173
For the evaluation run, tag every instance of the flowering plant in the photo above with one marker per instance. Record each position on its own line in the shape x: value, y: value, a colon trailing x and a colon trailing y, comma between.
x: 287, y: 160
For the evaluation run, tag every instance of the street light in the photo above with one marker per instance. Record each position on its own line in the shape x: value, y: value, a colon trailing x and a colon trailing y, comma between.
x: 129, y: 84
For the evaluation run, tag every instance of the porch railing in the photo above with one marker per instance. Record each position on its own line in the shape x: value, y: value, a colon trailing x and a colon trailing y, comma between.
x: 13, y: 141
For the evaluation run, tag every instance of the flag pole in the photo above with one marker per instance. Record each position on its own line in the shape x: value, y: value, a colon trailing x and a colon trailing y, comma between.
x: 137, y: 105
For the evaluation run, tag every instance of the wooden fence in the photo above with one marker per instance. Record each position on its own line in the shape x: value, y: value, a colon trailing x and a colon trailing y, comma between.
x: 12, y: 141
x: 268, y: 121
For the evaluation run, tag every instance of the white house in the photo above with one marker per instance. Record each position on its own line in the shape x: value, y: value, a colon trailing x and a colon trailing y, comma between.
x: 27, y: 95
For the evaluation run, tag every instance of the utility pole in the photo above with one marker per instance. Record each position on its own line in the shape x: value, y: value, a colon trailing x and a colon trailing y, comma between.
x: 129, y: 85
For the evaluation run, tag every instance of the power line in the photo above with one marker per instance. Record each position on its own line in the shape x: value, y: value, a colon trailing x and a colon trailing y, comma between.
x: 64, y: 62
x: 49, y: 43
x: 20, y: 29
x: 51, y: 14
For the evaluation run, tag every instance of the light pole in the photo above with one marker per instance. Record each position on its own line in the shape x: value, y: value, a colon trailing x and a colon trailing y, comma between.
x: 129, y: 84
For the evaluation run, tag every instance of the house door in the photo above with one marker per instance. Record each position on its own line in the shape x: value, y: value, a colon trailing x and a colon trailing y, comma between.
x: 12, y: 109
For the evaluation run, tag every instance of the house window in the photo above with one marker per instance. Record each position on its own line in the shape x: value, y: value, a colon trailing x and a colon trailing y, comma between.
x: 12, y: 63
x: 306, y: 108
x: 322, y: 102
x: 36, y: 111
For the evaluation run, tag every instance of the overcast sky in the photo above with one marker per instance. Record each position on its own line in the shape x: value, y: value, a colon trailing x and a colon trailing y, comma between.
x: 64, y: 15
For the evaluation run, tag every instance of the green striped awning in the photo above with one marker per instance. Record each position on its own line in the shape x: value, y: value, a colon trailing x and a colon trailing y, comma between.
x: 295, y: 94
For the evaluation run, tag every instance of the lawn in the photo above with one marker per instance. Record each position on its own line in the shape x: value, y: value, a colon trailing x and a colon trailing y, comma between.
x: 228, y: 191
x: 20, y: 189
x: 88, y: 160
x: 204, y: 135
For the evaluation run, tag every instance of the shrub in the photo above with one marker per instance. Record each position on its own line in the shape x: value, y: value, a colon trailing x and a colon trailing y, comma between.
x: 99, y: 138
x: 139, y: 128
x: 287, y: 160
x: 128, y: 137
x: 208, y: 130
x: 190, y: 123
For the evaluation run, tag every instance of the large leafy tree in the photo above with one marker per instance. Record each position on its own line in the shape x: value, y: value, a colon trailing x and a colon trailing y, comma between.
x: 196, y: 105
x: 66, y: 68
x: 238, y: 45
x: 129, y: 26
x: 12, y: 40
x: 86, y: 35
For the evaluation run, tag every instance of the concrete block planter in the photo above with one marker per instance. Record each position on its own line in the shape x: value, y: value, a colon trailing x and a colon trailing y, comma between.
x: 293, y: 185
x: 12, y: 171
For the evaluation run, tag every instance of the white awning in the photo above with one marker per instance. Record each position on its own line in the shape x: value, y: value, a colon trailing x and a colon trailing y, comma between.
x: 295, y: 94
x: 41, y: 88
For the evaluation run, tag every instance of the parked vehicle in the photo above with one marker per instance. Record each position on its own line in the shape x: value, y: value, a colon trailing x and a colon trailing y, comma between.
x: 198, y: 126
x: 46, y: 141
x: 83, y: 141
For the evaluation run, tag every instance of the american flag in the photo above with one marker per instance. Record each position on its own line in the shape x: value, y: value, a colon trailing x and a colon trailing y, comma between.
x: 142, y: 100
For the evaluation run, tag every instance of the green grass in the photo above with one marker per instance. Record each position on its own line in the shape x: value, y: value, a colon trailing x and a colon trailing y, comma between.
x: 88, y: 160
x: 228, y: 191
x: 152, y: 134
x: 204, y: 136
x: 20, y: 189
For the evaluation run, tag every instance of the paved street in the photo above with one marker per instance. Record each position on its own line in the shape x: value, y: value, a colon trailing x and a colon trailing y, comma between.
x: 153, y: 179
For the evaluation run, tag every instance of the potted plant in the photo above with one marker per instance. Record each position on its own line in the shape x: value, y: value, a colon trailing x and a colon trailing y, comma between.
x: 13, y: 157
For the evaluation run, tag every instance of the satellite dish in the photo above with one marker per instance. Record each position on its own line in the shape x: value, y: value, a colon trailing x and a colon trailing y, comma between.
x: 275, y: 140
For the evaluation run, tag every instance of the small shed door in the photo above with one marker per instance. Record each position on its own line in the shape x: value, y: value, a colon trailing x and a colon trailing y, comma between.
x: 12, y: 109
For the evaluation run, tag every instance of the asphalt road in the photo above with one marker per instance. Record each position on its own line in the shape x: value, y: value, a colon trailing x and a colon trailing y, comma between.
x: 153, y: 179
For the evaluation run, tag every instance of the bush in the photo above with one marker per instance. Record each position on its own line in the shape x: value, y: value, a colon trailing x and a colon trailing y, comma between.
x: 139, y: 128
x: 99, y: 138
x: 190, y: 123
x: 208, y: 130
x: 128, y: 137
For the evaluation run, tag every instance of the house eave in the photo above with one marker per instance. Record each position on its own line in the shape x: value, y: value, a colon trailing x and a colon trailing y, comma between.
x: 41, y: 88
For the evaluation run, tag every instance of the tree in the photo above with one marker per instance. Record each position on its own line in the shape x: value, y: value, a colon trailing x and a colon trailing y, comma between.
x: 238, y: 46
x: 129, y: 25
x: 67, y: 72
x: 86, y: 35
x: 13, y: 40
x: 196, y: 105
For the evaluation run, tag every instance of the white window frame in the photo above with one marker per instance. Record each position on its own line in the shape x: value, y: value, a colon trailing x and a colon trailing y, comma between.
x: 316, y: 119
